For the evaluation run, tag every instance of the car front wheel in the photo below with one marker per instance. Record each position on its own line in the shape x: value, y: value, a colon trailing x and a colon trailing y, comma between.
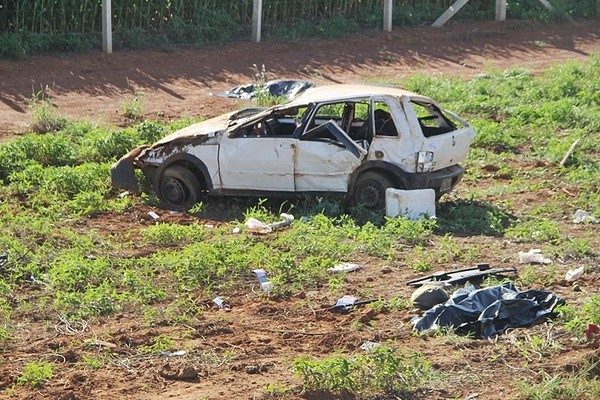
x: 179, y: 188
x: 370, y: 190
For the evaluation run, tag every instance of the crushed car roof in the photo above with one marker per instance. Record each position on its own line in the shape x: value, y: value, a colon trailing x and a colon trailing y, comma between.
x: 342, y: 92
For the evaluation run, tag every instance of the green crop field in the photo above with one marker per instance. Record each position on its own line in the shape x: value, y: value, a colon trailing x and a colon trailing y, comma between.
x: 36, y: 26
x: 82, y: 253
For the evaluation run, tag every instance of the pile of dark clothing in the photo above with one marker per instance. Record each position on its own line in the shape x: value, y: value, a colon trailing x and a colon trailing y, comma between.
x: 489, y: 311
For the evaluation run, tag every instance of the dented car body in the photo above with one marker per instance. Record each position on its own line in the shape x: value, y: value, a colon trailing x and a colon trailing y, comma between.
x: 352, y: 139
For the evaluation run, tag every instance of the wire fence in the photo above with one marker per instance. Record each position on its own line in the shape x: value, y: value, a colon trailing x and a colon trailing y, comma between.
x: 33, y: 26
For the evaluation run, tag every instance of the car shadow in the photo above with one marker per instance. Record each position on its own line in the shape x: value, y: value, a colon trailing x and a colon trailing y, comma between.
x: 472, y: 218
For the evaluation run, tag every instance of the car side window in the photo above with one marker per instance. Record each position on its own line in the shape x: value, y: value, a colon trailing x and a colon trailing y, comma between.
x: 384, y: 123
x: 282, y: 123
x: 432, y: 119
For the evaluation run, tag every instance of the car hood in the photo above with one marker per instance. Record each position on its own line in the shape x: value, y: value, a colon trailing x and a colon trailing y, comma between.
x: 204, y: 128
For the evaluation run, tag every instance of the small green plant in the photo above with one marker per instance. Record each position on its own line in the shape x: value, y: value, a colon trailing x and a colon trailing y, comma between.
x: 382, y: 370
x: 35, y: 373
x: 133, y: 108
x: 276, y: 390
x: 44, y: 116
x: 161, y: 343
x: 534, y: 230
x: 93, y: 362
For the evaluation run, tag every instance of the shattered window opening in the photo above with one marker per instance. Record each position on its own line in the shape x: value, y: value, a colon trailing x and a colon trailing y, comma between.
x: 432, y: 120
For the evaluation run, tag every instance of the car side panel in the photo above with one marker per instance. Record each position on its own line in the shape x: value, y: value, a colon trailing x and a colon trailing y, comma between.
x: 323, y: 167
x: 209, y: 154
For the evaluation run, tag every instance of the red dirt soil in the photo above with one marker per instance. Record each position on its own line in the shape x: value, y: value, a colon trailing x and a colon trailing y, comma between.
x: 183, y: 82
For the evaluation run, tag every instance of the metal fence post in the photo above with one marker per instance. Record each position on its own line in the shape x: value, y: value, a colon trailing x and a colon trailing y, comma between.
x: 388, y: 11
x: 500, y: 10
x: 257, y: 21
x: 107, y: 26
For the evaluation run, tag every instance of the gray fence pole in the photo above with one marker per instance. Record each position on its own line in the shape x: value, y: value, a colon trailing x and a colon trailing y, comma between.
x: 388, y: 11
x: 547, y: 4
x: 449, y: 13
x: 257, y: 21
x: 500, y: 10
x: 106, y: 26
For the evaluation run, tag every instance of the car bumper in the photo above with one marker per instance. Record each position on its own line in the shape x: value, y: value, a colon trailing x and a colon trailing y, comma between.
x: 442, y: 181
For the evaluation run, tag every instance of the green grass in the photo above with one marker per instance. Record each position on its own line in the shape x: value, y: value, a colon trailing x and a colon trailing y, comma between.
x: 35, y: 373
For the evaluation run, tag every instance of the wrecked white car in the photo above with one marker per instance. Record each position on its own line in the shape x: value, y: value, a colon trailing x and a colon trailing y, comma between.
x: 352, y: 139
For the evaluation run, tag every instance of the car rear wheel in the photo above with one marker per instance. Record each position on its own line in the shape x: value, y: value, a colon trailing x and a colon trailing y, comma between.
x: 370, y: 190
x: 179, y: 188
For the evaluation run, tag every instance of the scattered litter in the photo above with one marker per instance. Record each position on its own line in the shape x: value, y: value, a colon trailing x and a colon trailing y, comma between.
x: 584, y: 217
x: 569, y: 152
x: 345, y: 303
x: 37, y: 281
x: 3, y: 259
x: 171, y: 212
x: 574, y: 274
x: 265, y: 284
x: 304, y: 219
x: 209, y: 226
x: 220, y: 302
x: 462, y: 275
x: 277, y: 88
x: 153, y: 215
x: 412, y: 204
x: 255, y: 226
x: 489, y: 311
x: 472, y: 396
x: 533, y: 256
x: 429, y: 295
x: 368, y: 345
x: 236, y: 230
x: 344, y: 267
x: 123, y: 194
x: 102, y: 343
x: 177, y: 353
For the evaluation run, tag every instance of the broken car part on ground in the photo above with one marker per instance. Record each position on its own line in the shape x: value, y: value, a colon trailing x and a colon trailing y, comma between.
x: 462, y: 275
x: 351, y: 139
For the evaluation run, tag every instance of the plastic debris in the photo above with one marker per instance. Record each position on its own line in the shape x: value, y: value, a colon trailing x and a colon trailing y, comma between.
x: 368, y: 345
x: 533, y: 256
x: 177, y: 353
x: 236, y: 230
x: 102, y: 343
x: 255, y: 226
x: 574, y: 274
x: 345, y: 303
x: 220, y: 302
x: 462, y: 275
x: 277, y: 88
x: 154, y: 215
x: 36, y: 281
x: 489, y: 311
x: 429, y: 295
x: 3, y: 259
x: 584, y: 217
x: 123, y: 194
x: 265, y: 284
x: 344, y: 267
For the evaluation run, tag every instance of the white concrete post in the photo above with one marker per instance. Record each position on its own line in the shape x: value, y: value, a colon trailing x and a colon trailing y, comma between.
x: 106, y: 26
x: 500, y: 10
x: 388, y: 9
x: 449, y: 13
x: 257, y: 21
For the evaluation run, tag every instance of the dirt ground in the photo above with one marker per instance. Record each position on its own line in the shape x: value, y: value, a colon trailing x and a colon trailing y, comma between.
x: 266, y: 335
x: 184, y: 82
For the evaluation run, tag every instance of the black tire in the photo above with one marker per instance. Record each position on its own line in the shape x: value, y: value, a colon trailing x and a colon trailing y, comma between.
x: 178, y: 188
x: 369, y: 190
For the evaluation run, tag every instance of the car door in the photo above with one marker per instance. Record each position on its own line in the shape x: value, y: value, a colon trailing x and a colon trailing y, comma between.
x: 257, y: 163
x: 325, y: 158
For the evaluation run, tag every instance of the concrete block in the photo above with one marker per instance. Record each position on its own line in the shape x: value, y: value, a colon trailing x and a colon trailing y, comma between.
x: 412, y: 204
